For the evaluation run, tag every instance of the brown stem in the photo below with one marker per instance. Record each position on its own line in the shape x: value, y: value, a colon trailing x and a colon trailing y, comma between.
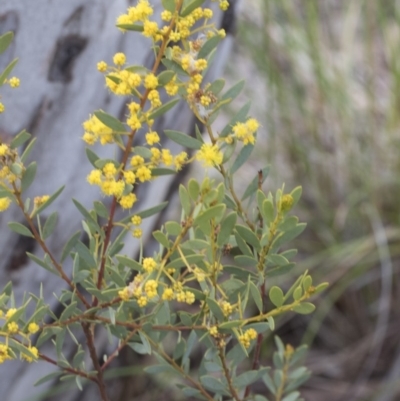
x: 118, y: 350
x: 110, y: 223
x: 69, y: 370
x: 181, y: 371
x: 260, y: 179
x: 44, y: 247
x: 93, y: 356
x: 227, y: 375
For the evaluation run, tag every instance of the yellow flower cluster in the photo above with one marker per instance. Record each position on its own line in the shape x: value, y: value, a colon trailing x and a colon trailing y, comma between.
x: 246, y: 338
x: 224, y: 5
x: 5, y: 352
x: 144, y: 290
x: 227, y: 308
x: 245, y: 131
x: 136, y: 220
x: 172, y: 87
x: 111, y: 184
x: 4, y: 204
x: 185, y: 296
x: 95, y: 130
x: 213, y: 331
x: 129, y: 81
x: 133, y: 289
x: 33, y: 328
x: 137, y: 232
x: 209, y: 155
x: 180, y: 30
x: 199, y: 274
x: 139, y: 289
x: 119, y: 59
x: 123, y: 82
x: 35, y: 353
x: 141, y: 13
x: 149, y: 264
x: 152, y: 138
x: 11, y: 329
x: 14, y: 82
x: 198, y: 99
x: 10, y: 312
x: 40, y: 200
x: 184, y: 25
x: 168, y: 294
x: 11, y: 169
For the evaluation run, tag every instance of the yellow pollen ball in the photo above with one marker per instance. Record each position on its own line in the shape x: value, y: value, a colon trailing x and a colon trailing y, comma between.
x: 142, y: 301
x: 252, y: 124
x: 12, y: 328
x: 181, y: 296
x: 207, y: 13
x: 166, y: 156
x: 35, y: 353
x: 102, y: 66
x: 14, y: 82
x: 189, y: 297
x: 166, y: 15
x: 137, y: 161
x: 124, y: 294
x: 127, y: 201
x: 213, y: 331
x: 152, y: 138
x: 119, y: 59
x: 224, y: 5
x: 149, y: 264
x: 143, y: 174
x: 210, y: 155
x: 201, y: 64
x: 4, y: 204
x: 137, y: 232
x: 33, y: 328
x: 222, y: 33
x: 94, y: 178
x: 134, y: 107
x: 168, y: 294
x: 123, y: 20
x: 150, y: 29
x: 130, y: 177
x: 136, y: 220
x: 109, y: 170
x: 3, y: 149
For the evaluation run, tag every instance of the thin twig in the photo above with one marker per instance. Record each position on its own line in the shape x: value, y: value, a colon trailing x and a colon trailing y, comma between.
x: 227, y: 375
x: 181, y: 371
x: 118, y: 350
x: 70, y: 370
x: 46, y: 250
x: 110, y: 223
x: 93, y: 355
